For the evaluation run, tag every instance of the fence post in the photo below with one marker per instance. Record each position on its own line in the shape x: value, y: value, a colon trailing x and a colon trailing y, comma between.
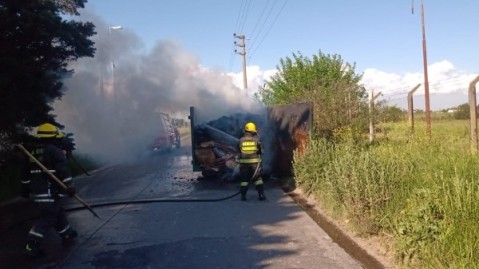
x: 410, y: 106
x: 372, y: 97
x: 473, y: 113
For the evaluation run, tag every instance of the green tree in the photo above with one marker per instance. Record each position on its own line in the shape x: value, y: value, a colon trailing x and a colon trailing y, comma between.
x: 36, y: 45
x: 325, y: 80
x: 462, y: 112
x: 390, y: 113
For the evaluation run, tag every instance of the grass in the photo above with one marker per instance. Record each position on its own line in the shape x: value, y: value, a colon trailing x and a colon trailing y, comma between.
x: 422, y: 192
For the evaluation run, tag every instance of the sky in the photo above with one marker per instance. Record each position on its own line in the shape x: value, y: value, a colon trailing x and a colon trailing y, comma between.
x: 383, y: 38
x: 170, y: 55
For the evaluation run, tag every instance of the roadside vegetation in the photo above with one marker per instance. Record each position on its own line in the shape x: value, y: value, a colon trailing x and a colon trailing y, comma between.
x: 420, y: 194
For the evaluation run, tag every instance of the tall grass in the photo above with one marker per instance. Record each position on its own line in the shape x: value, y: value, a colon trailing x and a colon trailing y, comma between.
x: 422, y: 192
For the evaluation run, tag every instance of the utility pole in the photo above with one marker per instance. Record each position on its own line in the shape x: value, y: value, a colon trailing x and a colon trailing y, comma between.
x: 242, y: 53
x: 118, y: 27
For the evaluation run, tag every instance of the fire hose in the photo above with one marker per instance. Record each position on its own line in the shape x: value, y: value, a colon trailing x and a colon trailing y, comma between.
x: 152, y: 200
x: 127, y: 202
x: 161, y: 200
x: 140, y: 201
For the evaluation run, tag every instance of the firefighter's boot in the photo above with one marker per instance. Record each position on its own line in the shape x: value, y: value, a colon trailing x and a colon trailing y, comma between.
x: 260, y: 189
x: 69, y: 236
x: 33, y: 248
x: 243, y: 190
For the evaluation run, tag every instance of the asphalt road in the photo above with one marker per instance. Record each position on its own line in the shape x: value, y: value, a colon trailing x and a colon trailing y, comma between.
x: 193, y: 231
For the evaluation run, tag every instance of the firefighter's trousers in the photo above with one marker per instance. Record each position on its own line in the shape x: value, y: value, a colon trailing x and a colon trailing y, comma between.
x: 247, y: 171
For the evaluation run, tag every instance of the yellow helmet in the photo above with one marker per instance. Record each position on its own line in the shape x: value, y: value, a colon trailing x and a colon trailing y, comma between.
x: 250, y: 127
x: 48, y: 130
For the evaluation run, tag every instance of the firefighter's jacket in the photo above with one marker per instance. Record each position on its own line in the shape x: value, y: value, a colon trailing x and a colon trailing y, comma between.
x: 250, y: 149
x: 43, y: 188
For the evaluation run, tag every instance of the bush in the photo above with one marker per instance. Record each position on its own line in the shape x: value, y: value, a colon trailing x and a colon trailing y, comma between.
x: 423, y: 192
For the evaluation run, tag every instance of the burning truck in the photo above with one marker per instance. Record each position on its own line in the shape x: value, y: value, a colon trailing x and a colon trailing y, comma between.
x: 167, y: 135
x: 283, y: 129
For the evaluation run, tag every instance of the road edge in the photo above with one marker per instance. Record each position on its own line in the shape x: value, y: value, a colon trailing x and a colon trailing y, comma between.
x: 339, y: 235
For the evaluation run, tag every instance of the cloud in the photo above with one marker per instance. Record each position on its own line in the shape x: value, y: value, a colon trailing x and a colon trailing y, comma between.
x: 444, y: 79
x: 448, y: 86
x: 255, y: 78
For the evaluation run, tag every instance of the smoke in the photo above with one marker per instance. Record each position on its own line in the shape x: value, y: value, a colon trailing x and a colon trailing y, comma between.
x: 112, y: 102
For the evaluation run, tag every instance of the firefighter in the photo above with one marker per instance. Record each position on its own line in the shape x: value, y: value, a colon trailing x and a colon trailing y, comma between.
x: 44, y: 191
x: 250, y: 161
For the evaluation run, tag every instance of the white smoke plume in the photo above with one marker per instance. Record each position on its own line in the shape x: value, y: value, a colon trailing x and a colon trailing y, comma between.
x: 112, y: 102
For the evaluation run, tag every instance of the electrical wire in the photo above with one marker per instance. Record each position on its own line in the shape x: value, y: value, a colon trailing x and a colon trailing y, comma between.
x: 450, y: 82
x: 269, y: 29
x: 245, y: 16
x: 252, y: 34
x: 235, y: 30
x: 254, y: 37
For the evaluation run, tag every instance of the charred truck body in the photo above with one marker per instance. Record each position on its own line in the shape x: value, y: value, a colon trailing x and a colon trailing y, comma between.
x: 283, y: 129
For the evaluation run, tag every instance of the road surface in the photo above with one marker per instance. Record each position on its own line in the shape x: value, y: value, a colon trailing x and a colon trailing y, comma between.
x: 188, y: 227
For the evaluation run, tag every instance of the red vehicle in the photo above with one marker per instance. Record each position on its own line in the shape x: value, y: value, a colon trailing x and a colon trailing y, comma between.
x: 168, y: 136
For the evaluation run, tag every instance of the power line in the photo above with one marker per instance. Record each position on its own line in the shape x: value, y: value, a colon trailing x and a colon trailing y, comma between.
x: 259, y: 19
x: 240, y: 14
x: 253, y: 38
x: 245, y: 15
x: 235, y: 30
x: 449, y: 82
x: 269, y: 29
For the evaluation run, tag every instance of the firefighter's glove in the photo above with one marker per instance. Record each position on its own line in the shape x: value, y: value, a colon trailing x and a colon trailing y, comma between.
x: 70, y: 191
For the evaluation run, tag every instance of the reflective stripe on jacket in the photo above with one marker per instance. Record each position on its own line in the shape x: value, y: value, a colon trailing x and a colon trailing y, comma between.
x: 41, y: 186
x: 250, y: 149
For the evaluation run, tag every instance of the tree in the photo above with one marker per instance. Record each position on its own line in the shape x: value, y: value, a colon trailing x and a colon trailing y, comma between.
x: 390, y: 113
x: 462, y: 112
x: 36, y: 45
x: 325, y: 80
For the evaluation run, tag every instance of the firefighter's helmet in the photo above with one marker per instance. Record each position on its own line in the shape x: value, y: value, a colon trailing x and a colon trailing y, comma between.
x: 48, y: 130
x: 250, y: 127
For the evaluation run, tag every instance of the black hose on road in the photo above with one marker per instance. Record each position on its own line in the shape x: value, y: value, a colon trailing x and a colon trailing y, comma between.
x: 141, y: 201
x: 151, y: 200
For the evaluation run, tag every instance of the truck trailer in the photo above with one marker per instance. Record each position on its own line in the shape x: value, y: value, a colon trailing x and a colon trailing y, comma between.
x: 283, y: 129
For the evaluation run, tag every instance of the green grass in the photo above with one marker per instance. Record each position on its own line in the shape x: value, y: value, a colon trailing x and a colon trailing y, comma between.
x: 423, y: 192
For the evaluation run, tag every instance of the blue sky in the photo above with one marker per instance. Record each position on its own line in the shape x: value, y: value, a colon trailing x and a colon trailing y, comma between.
x: 383, y: 38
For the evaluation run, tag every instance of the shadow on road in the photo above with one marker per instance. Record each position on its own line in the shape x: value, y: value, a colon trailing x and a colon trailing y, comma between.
x: 226, y: 234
